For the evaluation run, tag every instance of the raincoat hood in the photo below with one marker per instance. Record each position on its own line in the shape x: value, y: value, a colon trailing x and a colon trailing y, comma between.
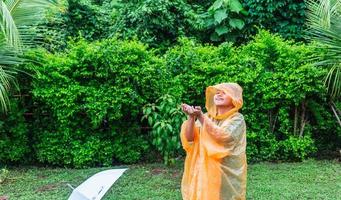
x: 233, y: 90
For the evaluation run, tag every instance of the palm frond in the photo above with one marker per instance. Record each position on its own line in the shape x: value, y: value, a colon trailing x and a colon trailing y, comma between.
x: 18, y: 26
x: 29, y: 12
x: 324, y: 26
x: 8, y: 27
x: 20, y: 18
x: 7, y: 80
x: 8, y: 59
x: 333, y: 81
x: 8, y: 55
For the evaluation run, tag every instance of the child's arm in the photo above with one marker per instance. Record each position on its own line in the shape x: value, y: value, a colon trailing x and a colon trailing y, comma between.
x: 187, y: 143
x: 189, y: 130
x: 224, y: 133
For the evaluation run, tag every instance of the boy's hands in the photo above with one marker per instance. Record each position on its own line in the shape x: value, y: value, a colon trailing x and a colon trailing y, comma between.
x: 191, y: 111
x: 187, y: 109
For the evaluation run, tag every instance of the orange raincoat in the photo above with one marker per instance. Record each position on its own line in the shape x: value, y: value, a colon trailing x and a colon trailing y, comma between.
x: 214, y: 168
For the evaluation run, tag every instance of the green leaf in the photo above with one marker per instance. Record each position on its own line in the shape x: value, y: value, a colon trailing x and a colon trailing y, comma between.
x: 244, y: 12
x: 148, y: 111
x: 237, y: 23
x: 220, y: 15
x: 170, y: 127
x: 217, y: 4
x: 174, y: 139
x: 214, y: 37
x: 156, y: 124
x: 235, y: 6
x: 222, y: 29
x: 209, y: 22
x: 150, y: 120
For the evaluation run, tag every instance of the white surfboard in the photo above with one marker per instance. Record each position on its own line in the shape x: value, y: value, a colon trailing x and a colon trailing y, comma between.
x: 95, y: 187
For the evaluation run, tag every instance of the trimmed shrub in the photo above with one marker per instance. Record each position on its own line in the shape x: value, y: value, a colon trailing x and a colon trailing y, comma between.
x: 93, y: 96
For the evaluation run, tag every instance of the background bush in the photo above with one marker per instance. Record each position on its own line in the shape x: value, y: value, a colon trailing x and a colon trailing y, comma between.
x: 78, y: 18
x: 90, y: 98
x: 159, y: 23
x: 87, y: 102
x: 14, y: 140
x: 165, y: 118
x: 278, y: 81
x: 285, y: 17
x: 156, y: 22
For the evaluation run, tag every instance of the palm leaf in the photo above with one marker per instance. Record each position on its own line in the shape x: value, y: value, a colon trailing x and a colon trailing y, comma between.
x: 333, y: 81
x: 19, y: 17
x: 18, y: 25
x: 8, y: 27
x: 324, y: 22
x: 8, y: 58
x: 7, y: 79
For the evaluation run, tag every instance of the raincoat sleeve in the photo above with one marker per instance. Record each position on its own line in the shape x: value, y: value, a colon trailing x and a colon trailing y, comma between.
x: 230, y: 131
x: 220, y: 141
x: 187, y: 145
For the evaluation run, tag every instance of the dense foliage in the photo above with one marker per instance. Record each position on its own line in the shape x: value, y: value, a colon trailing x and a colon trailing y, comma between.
x: 92, y: 104
x: 159, y: 23
x: 280, y: 89
x: 155, y: 22
x: 14, y: 137
x: 78, y: 18
x: 165, y: 118
x: 285, y: 17
x: 107, y: 83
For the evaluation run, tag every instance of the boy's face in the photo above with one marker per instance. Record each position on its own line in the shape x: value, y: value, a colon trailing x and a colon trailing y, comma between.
x: 222, y: 99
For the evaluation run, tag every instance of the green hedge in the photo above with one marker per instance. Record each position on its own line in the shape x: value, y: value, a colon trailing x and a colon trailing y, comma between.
x: 92, y: 96
x: 77, y: 18
x: 278, y: 81
x: 160, y: 23
x: 90, y: 102
x: 285, y: 17
x: 14, y: 135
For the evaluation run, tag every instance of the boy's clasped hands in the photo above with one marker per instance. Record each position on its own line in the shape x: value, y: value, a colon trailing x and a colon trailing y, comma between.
x: 191, y: 111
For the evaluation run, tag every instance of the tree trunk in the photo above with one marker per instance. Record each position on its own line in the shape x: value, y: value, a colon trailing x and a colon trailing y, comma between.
x: 295, y: 122
x: 303, y: 120
x: 336, y: 112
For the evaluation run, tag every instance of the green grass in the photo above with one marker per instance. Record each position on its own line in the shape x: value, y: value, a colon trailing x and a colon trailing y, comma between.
x: 310, y: 179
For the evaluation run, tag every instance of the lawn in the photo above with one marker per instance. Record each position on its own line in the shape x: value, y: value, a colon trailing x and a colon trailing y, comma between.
x: 310, y: 179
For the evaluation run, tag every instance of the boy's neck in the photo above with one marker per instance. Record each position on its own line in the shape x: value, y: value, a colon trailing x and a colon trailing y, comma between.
x: 223, y: 109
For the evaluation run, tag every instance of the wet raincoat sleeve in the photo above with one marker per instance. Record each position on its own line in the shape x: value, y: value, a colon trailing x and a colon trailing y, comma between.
x: 188, y: 145
x: 219, y: 141
x: 229, y: 132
